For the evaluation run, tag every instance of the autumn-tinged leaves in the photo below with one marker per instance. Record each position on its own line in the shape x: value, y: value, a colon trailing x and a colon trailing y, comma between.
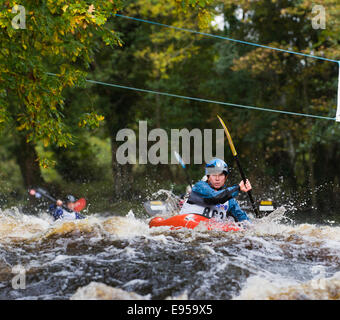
x: 59, y: 37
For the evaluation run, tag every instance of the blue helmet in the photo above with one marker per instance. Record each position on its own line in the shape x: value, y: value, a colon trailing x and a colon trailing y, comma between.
x: 70, y: 198
x: 216, y: 166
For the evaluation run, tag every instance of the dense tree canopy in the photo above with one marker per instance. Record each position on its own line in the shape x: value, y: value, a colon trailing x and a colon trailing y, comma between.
x: 41, y: 114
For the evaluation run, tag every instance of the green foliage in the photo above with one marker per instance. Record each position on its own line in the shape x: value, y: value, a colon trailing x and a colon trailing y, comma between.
x: 79, y: 39
x: 59, y: 37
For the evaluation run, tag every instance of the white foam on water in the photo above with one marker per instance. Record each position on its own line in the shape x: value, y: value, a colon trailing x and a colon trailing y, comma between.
x: 262, y: 288
x: 101, y: 291
x: 16, y: 226
x: 270, y: 239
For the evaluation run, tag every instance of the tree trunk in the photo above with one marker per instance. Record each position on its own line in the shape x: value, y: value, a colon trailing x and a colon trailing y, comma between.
x: 26, y: 157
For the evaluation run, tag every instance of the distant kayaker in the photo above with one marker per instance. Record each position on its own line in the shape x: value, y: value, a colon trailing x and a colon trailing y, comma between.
x: 212, y: 198
x: 59, y: 211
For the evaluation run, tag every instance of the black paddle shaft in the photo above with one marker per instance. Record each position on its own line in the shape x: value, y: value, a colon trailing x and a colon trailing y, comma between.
x: 188, y: 178
x: 49, y: 197
x: 249, y: 192
x: 45, y: 194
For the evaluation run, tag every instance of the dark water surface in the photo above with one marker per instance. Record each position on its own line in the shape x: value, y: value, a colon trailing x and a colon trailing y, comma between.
x: 92, y: 259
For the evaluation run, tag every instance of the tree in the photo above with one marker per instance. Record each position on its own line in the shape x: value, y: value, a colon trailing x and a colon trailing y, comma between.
x: 291, y: 145
x: 58, y: 37
x: 146, y: 60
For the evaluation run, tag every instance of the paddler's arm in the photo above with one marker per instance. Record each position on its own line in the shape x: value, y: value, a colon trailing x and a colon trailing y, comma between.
x: 55, y: 211
x: 236, y: 211
x: 211, y: 196
x: 223, y: 195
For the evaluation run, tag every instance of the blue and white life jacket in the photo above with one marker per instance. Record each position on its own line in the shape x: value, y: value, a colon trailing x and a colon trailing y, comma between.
x: 211, y: 203
x: 61, y: 213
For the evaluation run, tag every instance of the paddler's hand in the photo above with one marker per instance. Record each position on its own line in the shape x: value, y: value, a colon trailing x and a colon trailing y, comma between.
x: 59, y: 203
x: 245, y: 187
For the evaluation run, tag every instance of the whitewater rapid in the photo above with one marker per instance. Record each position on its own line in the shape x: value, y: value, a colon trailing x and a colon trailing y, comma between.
x: 120, y: 257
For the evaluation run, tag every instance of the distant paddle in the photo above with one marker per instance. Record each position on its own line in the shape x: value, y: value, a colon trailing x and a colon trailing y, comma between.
x: 79, y: 205
x: 181, y: 162
x: 158, y: 207
x: 233, y: 150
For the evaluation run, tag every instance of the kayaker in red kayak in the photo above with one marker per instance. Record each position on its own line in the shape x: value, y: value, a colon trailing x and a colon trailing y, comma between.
x: 67, y: 212
x: 213, y: 199
x: 57, y: 209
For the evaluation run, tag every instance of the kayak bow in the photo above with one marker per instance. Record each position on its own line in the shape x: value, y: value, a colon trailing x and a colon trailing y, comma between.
x: 191, y: 221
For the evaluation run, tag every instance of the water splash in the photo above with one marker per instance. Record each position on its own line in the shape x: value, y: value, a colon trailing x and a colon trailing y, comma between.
x: 262, y: 288
x: 95, y: 258
x: 101, y: 291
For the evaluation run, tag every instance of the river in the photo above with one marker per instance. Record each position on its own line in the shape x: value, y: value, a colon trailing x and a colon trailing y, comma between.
x: 120, y: 257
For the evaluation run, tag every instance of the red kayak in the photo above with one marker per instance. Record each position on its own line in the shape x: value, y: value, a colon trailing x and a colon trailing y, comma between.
x: 191, y: 221
x: 79, y: 205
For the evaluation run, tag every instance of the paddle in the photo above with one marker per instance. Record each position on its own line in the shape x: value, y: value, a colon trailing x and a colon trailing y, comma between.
x: 77, y: 206
x: 181, y: 162
x: 233, y: 150
x: 161, y: 207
